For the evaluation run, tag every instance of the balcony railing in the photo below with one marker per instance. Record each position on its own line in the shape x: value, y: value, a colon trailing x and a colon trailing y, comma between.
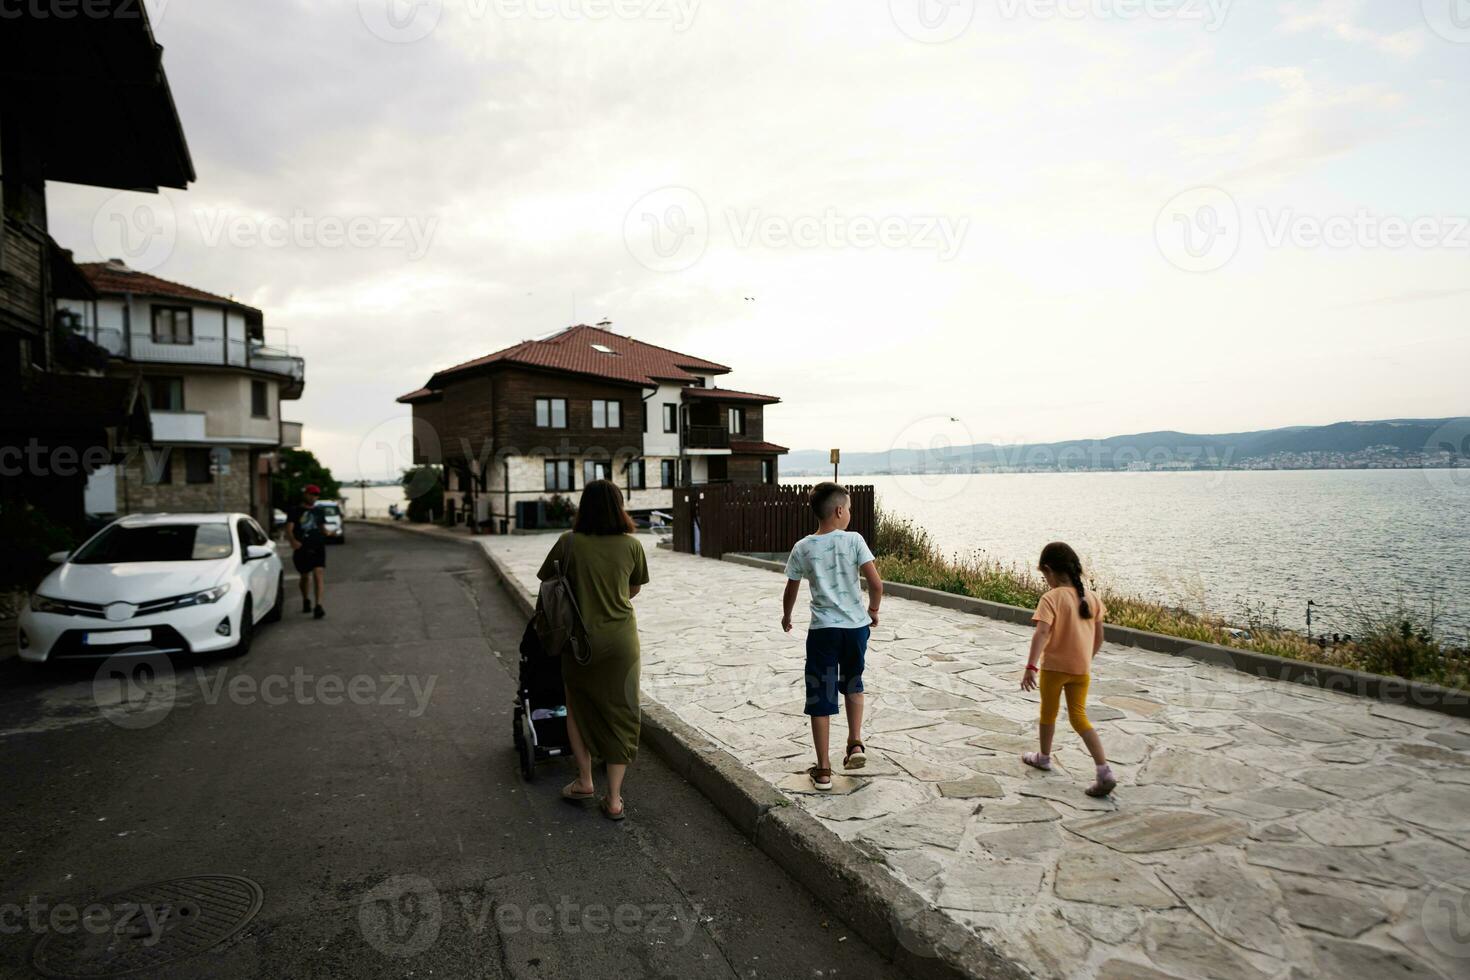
x: 204, y: 350
x: 706, y: 437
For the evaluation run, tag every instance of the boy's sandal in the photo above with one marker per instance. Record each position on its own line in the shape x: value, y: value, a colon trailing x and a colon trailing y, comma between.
x: 857, y: 756
x: 602, y: 805
x: 821, y: 778
x: 572, y: 795
x: 1102, y: 787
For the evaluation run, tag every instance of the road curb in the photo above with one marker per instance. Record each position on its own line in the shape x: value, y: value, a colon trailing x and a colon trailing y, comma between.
x: 1377, y: 687
x: 920, y: 940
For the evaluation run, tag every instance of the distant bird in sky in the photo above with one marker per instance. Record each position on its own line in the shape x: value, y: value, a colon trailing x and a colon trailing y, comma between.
x: 953, y: 419
x: 750, y: 299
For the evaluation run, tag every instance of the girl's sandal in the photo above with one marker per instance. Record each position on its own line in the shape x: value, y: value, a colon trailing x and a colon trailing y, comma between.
x: 607, y: 810
x: 1102, y: 787
x: 1033, y: 759
x: 857, y: 756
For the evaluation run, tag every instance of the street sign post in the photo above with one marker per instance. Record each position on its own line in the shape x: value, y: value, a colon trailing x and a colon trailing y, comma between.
x: 836, y: 458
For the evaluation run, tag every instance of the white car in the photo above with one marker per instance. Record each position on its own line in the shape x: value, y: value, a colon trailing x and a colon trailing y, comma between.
x: 334, y: 528
x: 149, y: 583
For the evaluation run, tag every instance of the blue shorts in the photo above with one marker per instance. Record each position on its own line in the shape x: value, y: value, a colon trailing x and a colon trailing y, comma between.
x: 834, y: 666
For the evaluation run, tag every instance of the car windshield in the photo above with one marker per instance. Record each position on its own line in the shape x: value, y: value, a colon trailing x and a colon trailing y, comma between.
x: 329, y: 510
x: 156, y: 542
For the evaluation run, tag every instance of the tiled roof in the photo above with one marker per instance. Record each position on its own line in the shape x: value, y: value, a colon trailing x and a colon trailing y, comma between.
x: 728, y: 395
x: 414, y: 396
x: 756, y: 447
x: 115, y: 277
x: 600, y: 353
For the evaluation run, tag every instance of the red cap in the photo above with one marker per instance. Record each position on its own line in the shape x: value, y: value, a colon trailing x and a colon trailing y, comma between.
x: 312, y: 489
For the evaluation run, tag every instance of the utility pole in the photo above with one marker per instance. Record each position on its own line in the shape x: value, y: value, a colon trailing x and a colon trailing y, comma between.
x: 363, y: 486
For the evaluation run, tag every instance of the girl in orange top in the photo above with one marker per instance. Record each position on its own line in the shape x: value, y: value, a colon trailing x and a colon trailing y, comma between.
x: 1069, y: 632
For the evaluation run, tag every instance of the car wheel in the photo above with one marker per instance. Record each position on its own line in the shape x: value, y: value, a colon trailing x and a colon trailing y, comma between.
x: 274, y: 616
x: 247, y: 631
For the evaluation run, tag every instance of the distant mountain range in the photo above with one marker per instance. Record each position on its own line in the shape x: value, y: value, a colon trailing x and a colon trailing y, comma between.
x: 1343, y: 445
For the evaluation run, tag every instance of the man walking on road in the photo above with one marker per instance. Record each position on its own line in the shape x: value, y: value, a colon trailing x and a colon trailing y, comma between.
x: 308, y: 548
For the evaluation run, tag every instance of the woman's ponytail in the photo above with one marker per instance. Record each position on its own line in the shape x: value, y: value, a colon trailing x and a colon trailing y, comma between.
x: 1062, y: 560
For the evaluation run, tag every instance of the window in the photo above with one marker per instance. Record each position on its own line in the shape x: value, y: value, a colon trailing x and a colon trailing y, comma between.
x: 671, y: 418
x: 260, y: 400
x: 606, y: 414
x: 551, y: 413
x: 593, y: 469
x: 164, y: 394
x: 157, y: 542
x: 158, y: 466
x: 250, y: 533
x: 666, y: 474
x: 768, y: 471
x: 559, y: 474
x: 736, y: 417
x: 196, y: 466
x: 173, y: 325
x: 637, y: 475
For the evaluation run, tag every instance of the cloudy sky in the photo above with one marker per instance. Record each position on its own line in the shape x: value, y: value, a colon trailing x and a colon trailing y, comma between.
x: 1044, y: 218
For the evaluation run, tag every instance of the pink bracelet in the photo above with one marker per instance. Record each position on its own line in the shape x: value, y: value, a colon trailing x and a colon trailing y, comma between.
x: 1033, y: 667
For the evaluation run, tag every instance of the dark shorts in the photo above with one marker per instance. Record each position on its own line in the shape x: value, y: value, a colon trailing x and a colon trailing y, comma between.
x: 307, y: 557
x: 834, y: 666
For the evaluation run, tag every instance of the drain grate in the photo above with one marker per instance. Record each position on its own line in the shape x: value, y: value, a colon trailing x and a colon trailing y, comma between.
x: 146, y: 927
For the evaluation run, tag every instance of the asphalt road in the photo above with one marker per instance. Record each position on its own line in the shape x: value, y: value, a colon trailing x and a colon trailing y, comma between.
x: 359, y: 769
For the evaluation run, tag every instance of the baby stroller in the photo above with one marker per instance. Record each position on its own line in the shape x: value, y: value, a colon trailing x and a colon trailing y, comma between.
x: 540, y: 723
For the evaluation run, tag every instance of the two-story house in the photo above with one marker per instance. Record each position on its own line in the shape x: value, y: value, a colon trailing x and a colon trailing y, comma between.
x: 544, y: 417
x: 83, y: 100
x: 213, y: 389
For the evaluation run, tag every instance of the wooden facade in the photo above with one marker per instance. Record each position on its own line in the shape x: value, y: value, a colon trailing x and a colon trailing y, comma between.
x: 756, y: 519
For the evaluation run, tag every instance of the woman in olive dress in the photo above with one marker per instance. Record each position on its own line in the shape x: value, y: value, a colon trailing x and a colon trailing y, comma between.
x: 607, y: 567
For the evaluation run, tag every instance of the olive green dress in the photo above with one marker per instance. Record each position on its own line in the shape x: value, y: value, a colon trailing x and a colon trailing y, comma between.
x: 602, y: 694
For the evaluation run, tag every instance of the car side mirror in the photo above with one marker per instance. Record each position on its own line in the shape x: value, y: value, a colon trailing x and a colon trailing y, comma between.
x: 57, y: 557
x: 256, y: 552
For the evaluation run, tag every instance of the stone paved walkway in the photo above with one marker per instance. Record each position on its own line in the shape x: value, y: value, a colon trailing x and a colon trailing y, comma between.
x: 1261, y: 829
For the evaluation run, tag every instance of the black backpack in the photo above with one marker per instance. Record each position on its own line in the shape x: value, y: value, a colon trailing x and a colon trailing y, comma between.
x: 557, y: 620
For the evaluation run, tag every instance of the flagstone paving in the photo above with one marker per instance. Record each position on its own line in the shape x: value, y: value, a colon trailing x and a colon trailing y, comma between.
x: 1260, y: 829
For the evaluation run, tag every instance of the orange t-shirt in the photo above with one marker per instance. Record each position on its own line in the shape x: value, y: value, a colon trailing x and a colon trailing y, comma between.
x: 1069, y: 647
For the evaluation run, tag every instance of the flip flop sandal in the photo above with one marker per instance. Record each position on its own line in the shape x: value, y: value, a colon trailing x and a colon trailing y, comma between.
x: 857, y: 756
x: 1102, y: 787
x: 572, y: 796
x: 607, y: 811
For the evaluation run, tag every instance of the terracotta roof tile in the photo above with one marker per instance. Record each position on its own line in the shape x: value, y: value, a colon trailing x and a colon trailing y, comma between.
x: 599, y: 353
x: 756, y: 447
x: 111, y: 277
x: 727, y: 395
x: 414, y: 396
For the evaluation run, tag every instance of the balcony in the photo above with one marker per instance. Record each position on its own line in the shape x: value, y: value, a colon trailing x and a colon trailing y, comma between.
x: 177, y: 426
x: 706, y: 437
x: 208, y: 350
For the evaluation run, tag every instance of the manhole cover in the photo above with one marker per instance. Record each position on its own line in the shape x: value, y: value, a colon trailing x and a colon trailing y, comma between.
x: 146, y: 927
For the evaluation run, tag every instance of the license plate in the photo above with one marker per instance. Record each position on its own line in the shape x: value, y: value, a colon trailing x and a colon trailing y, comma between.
x: 117, y: 637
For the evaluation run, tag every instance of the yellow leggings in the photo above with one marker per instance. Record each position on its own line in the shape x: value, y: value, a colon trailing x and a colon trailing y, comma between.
x: 1053, y: 684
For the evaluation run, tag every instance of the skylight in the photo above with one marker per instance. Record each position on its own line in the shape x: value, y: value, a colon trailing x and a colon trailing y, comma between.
x: 603, y: 349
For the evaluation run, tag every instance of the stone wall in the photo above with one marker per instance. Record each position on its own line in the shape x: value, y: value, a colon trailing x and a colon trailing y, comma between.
x: 230, y: 492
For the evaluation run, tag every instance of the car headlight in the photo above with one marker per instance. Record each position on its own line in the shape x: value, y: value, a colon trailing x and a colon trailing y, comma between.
x: 42, y: 604
x: 204, y: 598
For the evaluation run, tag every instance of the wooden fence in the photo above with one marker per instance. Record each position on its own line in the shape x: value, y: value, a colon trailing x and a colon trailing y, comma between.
x: 733, y: 517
